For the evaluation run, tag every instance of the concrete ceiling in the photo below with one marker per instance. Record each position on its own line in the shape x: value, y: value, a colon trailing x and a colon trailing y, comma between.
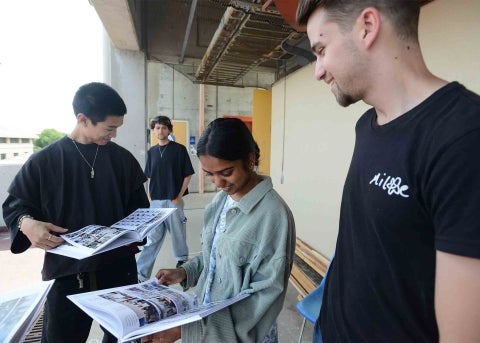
x: 222, y: 42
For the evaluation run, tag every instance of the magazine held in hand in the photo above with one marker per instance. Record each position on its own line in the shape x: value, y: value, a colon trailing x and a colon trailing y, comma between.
x: 134, y: 311
x: 19, y: 309
x: 95, y: 239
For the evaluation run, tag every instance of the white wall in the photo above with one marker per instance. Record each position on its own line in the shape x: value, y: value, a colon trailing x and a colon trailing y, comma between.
x: 313, y: 137
x: 316, y: 151
x: 450, y: 37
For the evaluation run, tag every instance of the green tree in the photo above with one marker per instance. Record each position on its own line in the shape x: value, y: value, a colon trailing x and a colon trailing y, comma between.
x: 46, y: 137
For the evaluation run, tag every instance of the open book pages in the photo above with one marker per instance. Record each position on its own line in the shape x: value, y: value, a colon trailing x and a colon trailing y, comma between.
x: 19, y: 309
x: 134, y: 311
x: 94, y: 239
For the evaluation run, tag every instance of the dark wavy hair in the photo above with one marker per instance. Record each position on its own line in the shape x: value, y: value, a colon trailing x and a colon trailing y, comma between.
x: 228, y: 139
x: 161, y: 120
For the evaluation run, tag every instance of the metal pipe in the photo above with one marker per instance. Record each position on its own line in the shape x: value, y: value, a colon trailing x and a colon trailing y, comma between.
x: 187, y: 31
x: 201, y: 121
x: 294, y: 50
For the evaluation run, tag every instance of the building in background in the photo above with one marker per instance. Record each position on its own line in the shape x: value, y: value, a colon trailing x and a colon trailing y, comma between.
x: 14, y: 145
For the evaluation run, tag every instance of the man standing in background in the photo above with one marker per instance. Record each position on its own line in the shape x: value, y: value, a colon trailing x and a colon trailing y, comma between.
x: 169, y: 171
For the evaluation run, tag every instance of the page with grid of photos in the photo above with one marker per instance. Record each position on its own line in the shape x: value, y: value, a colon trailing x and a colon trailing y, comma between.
x: 131, y: 312
x: 94, y: 239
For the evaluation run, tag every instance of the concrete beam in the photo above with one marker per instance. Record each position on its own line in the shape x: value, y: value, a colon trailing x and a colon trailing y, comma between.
x: 118, y: 21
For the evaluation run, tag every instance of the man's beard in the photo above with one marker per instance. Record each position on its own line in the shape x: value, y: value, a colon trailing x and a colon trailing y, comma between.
x: 344, y: 99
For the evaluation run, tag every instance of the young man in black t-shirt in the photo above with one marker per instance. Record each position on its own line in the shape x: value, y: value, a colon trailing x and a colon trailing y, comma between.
x: 169, y: 171
x: 407, y: 260
x: 81, y: 179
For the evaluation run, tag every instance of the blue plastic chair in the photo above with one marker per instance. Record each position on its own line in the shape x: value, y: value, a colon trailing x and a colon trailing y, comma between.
x: 309, y: 307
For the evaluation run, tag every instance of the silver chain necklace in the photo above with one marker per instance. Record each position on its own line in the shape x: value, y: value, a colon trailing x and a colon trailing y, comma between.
x: 92, y: 171
x: 161, y: 151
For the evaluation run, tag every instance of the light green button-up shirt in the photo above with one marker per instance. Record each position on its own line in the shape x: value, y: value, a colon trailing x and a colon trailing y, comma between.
x: 254, y: 255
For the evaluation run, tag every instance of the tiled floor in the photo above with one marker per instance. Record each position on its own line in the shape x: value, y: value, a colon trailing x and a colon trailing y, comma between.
x: 22, y: 269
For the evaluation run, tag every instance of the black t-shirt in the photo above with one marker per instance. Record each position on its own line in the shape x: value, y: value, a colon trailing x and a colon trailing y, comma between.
x: 55, y: 186
x: 167, y: 170
x: 412, y: 188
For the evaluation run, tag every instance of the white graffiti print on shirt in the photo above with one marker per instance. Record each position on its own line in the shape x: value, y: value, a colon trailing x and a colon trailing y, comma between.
x: 393, y: 185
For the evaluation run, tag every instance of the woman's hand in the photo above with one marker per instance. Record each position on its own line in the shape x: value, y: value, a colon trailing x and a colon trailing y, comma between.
x: 166, y: 336
x: 171, y: 276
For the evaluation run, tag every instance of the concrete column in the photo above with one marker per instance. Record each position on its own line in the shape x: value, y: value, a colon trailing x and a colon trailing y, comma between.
x: 126, y: 71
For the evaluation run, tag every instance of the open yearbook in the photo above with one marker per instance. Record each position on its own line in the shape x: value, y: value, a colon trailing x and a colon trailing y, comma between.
x: 95, y: 239
x: 19, y: 309
x: 134, y: 311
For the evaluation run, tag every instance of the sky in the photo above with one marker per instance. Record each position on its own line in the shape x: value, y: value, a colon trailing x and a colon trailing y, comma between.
x: 48, y: 49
